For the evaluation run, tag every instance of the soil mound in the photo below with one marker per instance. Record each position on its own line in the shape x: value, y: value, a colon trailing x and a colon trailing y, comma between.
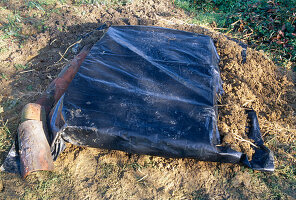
x: 250, y: 79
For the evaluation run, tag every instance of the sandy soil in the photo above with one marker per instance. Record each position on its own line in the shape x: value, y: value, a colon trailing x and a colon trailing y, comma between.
x: 251, y: 80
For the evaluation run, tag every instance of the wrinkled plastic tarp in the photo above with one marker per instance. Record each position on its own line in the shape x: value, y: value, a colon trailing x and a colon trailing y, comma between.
x: 150, y: 90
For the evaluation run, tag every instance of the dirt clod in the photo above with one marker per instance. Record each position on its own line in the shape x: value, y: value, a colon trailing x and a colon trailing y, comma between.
x: 1, y: 186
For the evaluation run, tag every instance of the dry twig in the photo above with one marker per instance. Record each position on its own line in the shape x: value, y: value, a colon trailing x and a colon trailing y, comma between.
x: 244, y: 140
x: 62, y: 56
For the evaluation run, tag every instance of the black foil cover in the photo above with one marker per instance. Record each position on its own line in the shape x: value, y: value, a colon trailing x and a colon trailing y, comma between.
x: 150, y: 90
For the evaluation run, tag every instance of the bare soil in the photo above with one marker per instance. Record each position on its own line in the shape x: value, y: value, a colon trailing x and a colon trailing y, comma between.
x: 251, y: 80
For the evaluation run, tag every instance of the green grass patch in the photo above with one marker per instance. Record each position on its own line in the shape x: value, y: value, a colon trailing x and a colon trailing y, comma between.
x: 3, y: 76
x: 19, y: 25
x: 5, y: 136
x: 264, y: 25
x: 102, y: 2
x: 13, y: 27
x: 20, y: 67
x: 186, y: 5
x: 11, y: 103
x: 47, y: 185
x: 41, y: 4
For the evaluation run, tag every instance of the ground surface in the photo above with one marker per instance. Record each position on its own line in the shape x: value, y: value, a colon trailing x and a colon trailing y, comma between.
x: 33, y: 59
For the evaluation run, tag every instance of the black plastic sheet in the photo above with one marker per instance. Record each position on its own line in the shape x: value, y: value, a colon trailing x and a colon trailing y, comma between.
x: 150, y: 90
